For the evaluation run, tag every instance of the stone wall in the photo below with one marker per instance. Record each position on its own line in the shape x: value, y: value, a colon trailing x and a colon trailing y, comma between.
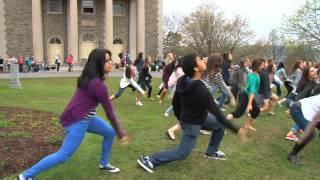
x: 54, y: 25
x: 92, y: 23
x: 151, y: 27
x: 121, y: 24
x: 18, y: 23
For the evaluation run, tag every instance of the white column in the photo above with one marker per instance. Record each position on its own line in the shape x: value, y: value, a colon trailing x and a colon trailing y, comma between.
x: 108, y: 24
x: 140, y: 26
x: 73, y: 35
x: 37, y: 31
x: 133, y: 29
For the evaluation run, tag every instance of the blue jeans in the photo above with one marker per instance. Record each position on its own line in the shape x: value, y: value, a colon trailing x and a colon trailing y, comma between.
x: 170, y: 109
x: 75, y: 133
x: 296, y: 114
x: 188, y: 141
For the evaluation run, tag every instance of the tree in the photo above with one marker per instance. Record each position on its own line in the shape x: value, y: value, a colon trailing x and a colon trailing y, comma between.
x: 276, y: 49
x: 305, y: 23
x: 172, y: 37
x: 207, y: 30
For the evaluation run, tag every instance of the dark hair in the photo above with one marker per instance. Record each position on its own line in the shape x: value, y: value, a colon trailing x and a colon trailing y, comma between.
x: 304, y: 80
x: 226, y: 57
x: 128, y: 72
x: 256, y: 63
x: 189, y: 62
x: 178, y: 63
x: 94, y: 67
x: 296, y: 66
x: 214, y: 64
x: 270, y: 67
x: 280, y: 65
x: 242, y: 61
x: 139, y: 58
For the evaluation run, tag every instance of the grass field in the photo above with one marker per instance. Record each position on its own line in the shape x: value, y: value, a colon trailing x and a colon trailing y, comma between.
x: 262, y: 157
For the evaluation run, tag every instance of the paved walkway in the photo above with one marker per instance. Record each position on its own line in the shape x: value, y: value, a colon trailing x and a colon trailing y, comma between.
x: 65, y: 73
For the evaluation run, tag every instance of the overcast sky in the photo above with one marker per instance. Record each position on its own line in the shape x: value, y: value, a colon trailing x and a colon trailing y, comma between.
x: 263, y: 15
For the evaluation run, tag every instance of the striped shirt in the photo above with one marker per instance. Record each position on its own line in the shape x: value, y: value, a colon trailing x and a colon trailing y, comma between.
x: 91, y: 113
x: 214, y: 81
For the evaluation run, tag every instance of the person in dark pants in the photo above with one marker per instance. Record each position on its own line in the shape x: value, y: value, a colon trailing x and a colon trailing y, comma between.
x: 191, y: 103
x: 247, y: 102
x: 306, y: 114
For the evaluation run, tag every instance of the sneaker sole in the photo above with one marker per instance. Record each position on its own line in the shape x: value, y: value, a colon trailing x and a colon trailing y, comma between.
x: 144, y: 167
x: 111, y: 171
x: 291, y: 139
x: 216, y: 158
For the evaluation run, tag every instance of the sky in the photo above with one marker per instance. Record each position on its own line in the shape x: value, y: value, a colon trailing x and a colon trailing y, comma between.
x: 263, y: 15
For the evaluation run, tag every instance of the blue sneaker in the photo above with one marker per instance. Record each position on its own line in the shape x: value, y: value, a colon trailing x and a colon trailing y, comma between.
x: 145, y: 163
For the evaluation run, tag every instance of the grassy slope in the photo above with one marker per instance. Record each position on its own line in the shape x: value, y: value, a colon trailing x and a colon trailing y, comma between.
x: 264, y: 156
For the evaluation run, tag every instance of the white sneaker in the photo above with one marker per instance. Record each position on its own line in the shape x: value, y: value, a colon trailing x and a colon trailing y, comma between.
x: 109, y: 168
x: 166, y: 114
x: 223, y: 109
x: 138, y: 103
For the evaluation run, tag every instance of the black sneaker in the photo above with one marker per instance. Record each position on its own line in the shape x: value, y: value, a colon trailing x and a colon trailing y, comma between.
x: 219, y: 155
x: 20, y: 177
x: 294, y: 159
x: 109, y: 168
x: 145, y: 163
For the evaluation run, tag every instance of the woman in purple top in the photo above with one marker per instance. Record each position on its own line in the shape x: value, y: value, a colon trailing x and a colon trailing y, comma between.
x: 79, y: 117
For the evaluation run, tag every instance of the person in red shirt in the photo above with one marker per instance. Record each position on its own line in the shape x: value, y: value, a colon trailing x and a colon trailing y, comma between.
x: 20, y: 62
x: 70, y: 62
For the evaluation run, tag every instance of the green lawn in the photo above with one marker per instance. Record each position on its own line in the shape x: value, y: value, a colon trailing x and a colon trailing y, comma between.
x: 263, y: 156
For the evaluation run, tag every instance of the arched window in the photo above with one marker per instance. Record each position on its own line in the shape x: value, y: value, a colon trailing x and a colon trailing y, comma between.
x: 118, y: 41
x: 55, y: 40
x: 88, y: 37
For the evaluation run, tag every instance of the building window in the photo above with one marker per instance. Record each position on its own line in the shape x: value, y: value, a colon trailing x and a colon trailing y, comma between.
x: 88, y: 37
x: 55, y: 6
x: 117, y: 41
x: 118, y: 9
x: 87, y: 6
x: 55, y: 40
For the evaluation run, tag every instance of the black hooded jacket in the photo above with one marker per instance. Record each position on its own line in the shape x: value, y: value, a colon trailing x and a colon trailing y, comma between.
x: 192, y: 101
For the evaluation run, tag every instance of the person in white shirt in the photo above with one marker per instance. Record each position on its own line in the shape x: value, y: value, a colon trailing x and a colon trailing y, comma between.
x: 306, y: 114
x: 127, y: 80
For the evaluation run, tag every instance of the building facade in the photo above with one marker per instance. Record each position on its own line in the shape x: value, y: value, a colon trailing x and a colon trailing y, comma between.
x: 47, y: 28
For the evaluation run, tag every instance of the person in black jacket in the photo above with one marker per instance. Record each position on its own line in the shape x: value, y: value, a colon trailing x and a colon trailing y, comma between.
x: 145, y: 79
x: 191, y: 104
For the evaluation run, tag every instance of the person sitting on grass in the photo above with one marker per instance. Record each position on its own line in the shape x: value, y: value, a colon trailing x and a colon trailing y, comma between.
x: 191, y: 103
x: 80, y: 117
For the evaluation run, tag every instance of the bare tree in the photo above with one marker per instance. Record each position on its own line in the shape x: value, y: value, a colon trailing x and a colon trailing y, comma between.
x: 207, y: 30
x: 172, y: 37
x: 276, y: 48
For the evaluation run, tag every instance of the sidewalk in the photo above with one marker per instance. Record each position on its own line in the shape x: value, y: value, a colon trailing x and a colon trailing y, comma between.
x: 64, y: 73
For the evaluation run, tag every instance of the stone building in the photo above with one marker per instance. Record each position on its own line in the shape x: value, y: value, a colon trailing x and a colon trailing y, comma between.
x: 45, y: 28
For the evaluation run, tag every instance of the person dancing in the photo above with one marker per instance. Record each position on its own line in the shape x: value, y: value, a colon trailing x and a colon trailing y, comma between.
x: 79, y: 117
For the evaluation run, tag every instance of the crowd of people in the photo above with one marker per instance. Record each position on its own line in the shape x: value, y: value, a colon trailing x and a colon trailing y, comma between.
x: 192, y: 82
x: 28, y: 64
